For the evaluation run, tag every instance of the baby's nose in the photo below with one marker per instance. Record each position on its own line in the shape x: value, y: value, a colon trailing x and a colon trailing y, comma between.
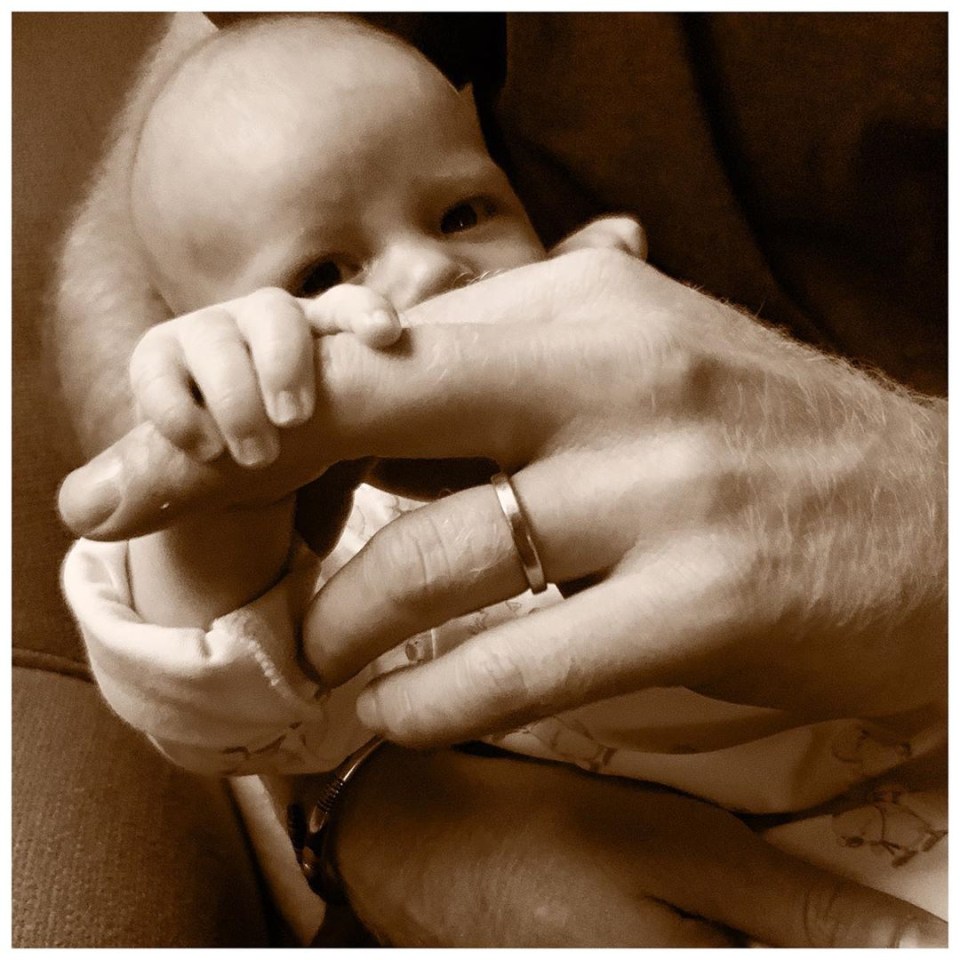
x: 413, y: 272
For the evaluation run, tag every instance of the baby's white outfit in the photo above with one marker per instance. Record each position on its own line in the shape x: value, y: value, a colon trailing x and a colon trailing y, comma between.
x: 233, y: 700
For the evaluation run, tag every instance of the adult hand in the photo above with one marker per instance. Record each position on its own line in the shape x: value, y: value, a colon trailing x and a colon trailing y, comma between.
x: 754, y: 520
x: 522, y: 854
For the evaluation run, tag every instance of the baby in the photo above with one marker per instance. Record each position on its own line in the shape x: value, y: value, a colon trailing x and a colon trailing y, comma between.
x: 326, y: 160
x: 308, y: 176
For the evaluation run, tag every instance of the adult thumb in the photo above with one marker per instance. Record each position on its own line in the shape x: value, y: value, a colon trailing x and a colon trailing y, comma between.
x: 142, y: 482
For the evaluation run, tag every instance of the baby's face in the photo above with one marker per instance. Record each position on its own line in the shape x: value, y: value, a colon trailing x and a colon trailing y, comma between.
x: 348, y: 167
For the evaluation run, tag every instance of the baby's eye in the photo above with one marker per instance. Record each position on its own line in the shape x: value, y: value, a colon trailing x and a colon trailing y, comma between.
x: 466, y: 215
x: 319, y: 278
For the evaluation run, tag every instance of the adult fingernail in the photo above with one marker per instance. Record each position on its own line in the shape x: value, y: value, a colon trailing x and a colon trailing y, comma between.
x: 91, y: 495
x: 368, y: 710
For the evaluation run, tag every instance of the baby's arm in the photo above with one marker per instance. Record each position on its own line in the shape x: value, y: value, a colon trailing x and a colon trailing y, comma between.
x: 231, y: 374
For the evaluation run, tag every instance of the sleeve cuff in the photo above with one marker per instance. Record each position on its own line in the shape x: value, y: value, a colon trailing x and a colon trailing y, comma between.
x: 231, y: 699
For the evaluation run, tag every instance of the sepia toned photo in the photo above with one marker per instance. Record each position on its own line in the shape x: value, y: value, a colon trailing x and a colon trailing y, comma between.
x: 479, y: 479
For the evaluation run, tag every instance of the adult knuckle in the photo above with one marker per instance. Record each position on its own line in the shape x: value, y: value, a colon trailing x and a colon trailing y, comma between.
x: 687, y: 378
x: 823, y: 918
x: 414, y: 563
x: 498, y: 673
x: 699, y: 476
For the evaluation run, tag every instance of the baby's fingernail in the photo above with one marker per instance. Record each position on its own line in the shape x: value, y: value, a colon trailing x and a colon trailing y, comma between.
x: 286, y: 409
x: 306, y: 401
x: 91, y: 495
x: 380, y: 328
x: 208, y: 448
x: 256, y: 451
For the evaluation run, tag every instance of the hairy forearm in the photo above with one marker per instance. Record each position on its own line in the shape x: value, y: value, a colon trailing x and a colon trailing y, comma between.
x: 103, y: 300
x: 445, y: 849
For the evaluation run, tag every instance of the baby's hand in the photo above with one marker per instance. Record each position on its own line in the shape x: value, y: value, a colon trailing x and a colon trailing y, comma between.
x: 231, y: 373
x: 620, y: 232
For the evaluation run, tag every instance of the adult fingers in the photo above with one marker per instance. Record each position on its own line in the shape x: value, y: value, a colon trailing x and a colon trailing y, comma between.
x: 118, y: 489
x: 402, y: 404
x: 420, y: 570
x: 812, y: 907
x: 457, y: 555
x: 780, y: 900
x: 703, y: 861
x: 628, y: 632
x: 587, y: 512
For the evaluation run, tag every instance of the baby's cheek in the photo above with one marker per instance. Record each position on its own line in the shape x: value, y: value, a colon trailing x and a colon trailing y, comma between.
x: 517, y: 248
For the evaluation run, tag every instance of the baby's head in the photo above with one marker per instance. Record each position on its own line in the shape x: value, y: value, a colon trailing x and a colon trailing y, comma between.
x: 301, y: 152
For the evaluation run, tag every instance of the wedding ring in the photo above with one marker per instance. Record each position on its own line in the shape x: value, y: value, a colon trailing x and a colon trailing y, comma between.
x: 520, y: 530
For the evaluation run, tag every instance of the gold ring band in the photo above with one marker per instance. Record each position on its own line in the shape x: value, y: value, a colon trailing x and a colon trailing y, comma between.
x: 520, y: 530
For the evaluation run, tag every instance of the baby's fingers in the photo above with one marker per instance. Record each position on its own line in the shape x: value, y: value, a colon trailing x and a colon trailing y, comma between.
x: 281, y: 346
x: 218, y: 359
x: 349, y: 308
x: 163, y: 390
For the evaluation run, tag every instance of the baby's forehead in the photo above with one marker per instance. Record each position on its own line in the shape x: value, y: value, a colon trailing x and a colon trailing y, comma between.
x: 284, y: 77
x: 331, y: 51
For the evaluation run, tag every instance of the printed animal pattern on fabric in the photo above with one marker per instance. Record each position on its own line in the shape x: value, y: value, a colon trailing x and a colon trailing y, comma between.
x: 871, y: 749
x: 896, y: 824
x: 283, y: 751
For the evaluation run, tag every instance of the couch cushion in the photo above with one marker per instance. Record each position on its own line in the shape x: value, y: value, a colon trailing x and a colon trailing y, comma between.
x: 69, y: 74
x: 112, y: 846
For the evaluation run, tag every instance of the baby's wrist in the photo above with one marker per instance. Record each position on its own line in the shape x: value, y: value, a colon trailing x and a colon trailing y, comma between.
x: 208, y: 565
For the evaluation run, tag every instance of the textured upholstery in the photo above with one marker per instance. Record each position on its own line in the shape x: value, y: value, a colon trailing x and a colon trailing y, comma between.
x: 112, y: 846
